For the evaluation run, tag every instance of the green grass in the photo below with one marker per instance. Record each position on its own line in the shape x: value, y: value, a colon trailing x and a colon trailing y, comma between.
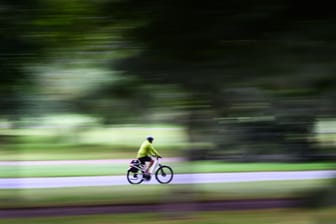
x: 91, y: 142
x: 72, y: 136
x: 156, y: 193
x: 210, y: 166
x: 179, y: 167
x: 275, y: 216
x: 127, y: 135
x: 30, y: 152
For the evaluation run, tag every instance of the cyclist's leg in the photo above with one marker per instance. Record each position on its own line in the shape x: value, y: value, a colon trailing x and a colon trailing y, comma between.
x: 145, y: 159
x: 142, y: 162
x: 151, y: 162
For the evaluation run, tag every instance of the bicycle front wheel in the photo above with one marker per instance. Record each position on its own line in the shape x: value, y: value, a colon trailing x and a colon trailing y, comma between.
x: 134, y: 178
x: 164, y: 174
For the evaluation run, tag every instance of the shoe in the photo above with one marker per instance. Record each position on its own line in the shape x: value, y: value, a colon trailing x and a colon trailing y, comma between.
x: 147, y: 177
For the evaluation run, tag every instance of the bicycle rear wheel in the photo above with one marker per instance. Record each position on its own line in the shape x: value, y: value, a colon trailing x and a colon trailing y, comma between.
x: 164, y: 174
x: 134, y: 177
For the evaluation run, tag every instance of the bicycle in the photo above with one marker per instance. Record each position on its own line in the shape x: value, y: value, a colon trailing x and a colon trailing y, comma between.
x: 136, y: 172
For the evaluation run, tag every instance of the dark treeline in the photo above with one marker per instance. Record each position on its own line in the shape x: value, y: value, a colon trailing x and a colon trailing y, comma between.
x: 256, y: 75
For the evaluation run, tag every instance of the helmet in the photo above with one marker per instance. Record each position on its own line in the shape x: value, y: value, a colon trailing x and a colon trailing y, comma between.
x: 150, y: 138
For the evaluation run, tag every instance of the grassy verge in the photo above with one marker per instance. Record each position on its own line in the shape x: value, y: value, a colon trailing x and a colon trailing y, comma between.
x: 103, y: 169
x: 91, y: 142
x: 277, y: 216
x: 29, y: 152
x: 156, y: 193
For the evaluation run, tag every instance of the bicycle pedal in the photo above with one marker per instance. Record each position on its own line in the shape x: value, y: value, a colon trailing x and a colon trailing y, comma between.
x: 147, y: 177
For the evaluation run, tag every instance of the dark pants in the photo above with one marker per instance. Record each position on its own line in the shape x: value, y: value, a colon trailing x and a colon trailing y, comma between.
x: 145, y: 159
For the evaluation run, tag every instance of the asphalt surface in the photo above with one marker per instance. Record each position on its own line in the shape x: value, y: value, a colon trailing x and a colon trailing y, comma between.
x: 61, y: 182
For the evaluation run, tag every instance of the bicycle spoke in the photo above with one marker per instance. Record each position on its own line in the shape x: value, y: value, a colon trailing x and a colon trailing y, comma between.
x: 164, y: 174
x: 134, y: 177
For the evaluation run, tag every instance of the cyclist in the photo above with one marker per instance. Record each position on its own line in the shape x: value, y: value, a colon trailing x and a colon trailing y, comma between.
x: 145, y: 152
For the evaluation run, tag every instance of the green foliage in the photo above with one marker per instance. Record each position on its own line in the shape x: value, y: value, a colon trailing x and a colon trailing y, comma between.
x: 229, y: 59
x: 239, y: 60
x: 264, y: 217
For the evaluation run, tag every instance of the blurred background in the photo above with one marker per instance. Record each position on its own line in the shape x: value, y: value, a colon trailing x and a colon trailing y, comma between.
x: 225, y: 81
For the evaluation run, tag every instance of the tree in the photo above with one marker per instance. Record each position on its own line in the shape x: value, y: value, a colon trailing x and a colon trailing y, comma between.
x: 276, y: 58
x: 283, y: 49
x: 16, y: 49
x: 36, y: 32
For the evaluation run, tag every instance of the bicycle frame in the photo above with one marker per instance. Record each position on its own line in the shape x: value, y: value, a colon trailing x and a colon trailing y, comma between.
x: 165, y: 171
x: 155, y: 165
x: 140, y: 166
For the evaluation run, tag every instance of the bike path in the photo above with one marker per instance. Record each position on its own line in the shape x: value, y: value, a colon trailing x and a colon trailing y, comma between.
x: 63, y: 182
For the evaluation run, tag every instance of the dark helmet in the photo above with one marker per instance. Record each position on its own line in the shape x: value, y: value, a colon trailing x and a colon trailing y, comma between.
x: 150, y: 139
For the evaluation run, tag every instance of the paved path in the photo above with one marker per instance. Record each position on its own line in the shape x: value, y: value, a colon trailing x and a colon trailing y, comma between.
x: 59, y: 182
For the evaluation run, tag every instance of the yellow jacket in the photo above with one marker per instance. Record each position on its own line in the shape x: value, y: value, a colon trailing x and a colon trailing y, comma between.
x: 147, y: 149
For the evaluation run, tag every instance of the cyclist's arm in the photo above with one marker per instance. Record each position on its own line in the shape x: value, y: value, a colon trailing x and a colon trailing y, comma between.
x: 154, y: 152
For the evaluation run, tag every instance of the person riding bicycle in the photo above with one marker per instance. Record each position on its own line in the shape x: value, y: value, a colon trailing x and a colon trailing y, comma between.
x: 145, y: 152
